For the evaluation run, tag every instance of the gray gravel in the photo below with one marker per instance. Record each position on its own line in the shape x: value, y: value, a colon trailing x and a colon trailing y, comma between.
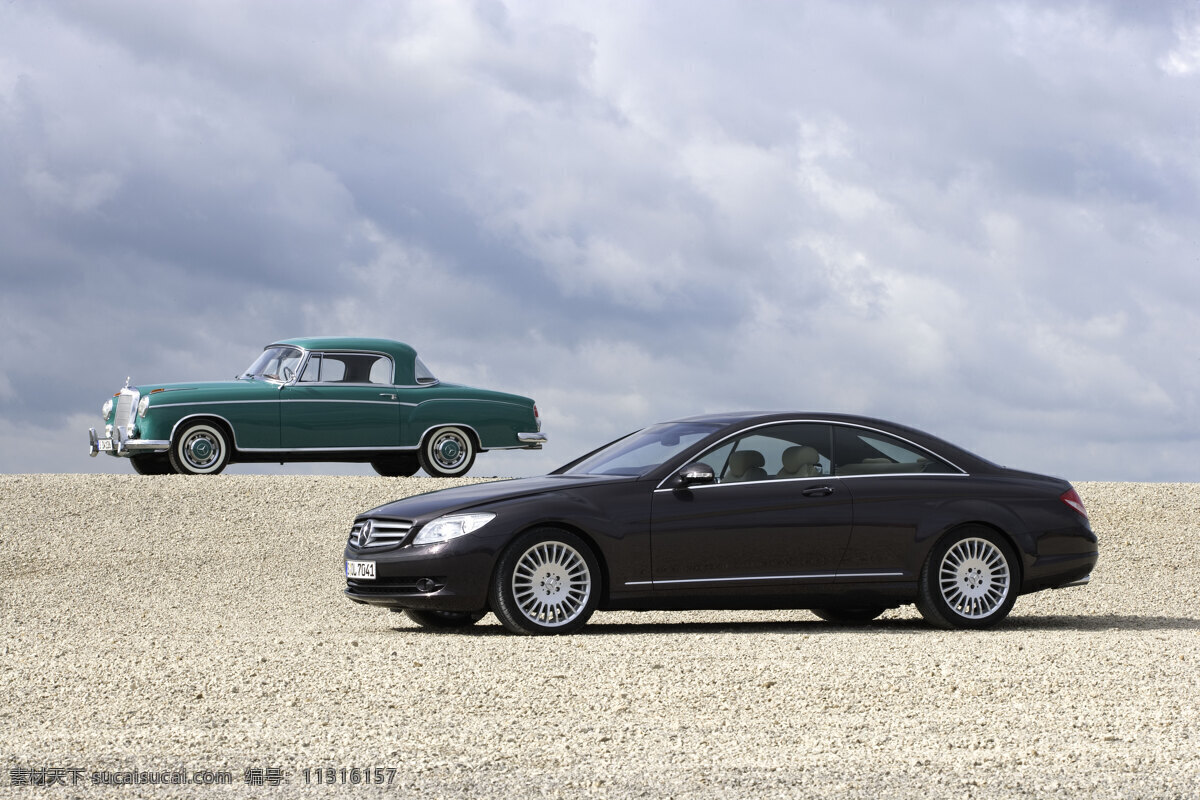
x: 173, y: 623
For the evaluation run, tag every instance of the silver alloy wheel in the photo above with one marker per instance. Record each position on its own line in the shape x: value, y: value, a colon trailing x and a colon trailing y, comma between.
x: 974, y: 578
x: 551, y: 584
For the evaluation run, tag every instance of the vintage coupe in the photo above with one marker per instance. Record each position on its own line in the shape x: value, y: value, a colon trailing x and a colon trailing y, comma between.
x: 844, y: 515
x: 317, y: 399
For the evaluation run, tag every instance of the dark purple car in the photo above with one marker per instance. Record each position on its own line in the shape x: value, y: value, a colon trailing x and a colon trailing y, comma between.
x: 847, y: 516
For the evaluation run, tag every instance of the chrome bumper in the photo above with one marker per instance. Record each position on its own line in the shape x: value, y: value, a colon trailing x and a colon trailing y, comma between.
x: 532, y: 441
x: 125, y: 447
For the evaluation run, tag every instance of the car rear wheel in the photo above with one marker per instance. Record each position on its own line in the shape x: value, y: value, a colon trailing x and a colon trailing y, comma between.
x: 849, y: 616
x: 547, y: 582
x: 447, y: 452
x: 970, y: 580
x: 200, y: 448
x: 442, y: 620
x: 152, y: 464
x: 397, y: 466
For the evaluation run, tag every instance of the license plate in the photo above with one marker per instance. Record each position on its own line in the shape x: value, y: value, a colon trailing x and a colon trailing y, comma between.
x: 105, y: 445
x: 360, y: 570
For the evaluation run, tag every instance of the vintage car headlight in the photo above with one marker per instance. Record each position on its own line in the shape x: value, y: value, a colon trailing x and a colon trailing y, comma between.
x: 106, y: 409
x: 143, y: 404
x: 443, y: 529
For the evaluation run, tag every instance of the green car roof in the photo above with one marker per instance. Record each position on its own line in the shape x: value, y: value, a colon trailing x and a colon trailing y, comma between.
x: 398, y: 350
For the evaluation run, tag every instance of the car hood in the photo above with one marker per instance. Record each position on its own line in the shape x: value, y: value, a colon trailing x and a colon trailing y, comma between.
x: 196, y: 390
x: 461, y: 498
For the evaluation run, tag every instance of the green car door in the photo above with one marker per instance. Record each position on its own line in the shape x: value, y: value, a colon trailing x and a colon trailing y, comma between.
x: 341, y: 401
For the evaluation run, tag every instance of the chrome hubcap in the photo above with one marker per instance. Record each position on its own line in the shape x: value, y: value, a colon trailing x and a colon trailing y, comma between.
x: 551, y: 583
x: 449, y: 450
x: 974, y: 578
x: 201, y: 450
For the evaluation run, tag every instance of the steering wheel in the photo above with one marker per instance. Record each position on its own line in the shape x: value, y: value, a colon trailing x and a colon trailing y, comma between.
x: 288, y: 373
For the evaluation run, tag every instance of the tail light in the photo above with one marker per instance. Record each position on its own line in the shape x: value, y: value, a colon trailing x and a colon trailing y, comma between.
x: 537, y: 417
x: 1071, y: 498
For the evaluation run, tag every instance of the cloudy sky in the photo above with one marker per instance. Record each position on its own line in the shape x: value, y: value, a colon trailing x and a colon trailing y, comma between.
x: 978, y: 219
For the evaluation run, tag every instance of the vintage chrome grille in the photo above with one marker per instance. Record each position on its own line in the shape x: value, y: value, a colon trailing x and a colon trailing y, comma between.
x: 127, y: 402
x: 378, y: 532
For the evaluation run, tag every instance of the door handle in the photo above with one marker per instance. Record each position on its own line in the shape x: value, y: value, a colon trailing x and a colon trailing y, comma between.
x: 818, y: 491
x: 388, y: 396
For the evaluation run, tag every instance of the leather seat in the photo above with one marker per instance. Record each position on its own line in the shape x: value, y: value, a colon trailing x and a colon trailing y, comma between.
x: 746, y: 465
x: 800, y: 461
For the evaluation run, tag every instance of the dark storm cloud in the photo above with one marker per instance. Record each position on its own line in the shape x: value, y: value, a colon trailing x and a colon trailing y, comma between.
x: 981, y: 220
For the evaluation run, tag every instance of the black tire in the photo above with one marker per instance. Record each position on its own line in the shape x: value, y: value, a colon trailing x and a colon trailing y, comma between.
x: 447, y: 452
x: 443, y: 620
x: 970, y: 580
x: 152, y: 464
x: 200, y: 448
x: 849, y: 616
x: 397, y: 466
x: 547, y: 582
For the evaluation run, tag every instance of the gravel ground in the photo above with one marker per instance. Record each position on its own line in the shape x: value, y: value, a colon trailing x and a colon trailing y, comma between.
x: 187, y: 624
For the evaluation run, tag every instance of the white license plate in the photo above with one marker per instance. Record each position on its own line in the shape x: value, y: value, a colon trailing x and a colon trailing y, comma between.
x: 360, y: 570
x: 105, y: 445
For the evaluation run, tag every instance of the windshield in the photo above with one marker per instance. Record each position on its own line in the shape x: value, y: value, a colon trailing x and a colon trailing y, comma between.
x: 275, y: 364
x: 640, y: 452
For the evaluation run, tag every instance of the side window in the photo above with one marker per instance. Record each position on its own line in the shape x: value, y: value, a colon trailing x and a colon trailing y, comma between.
x: 381, y: 371
x: 793, y: 450
x: 423, y: 374
x: 312, y: 371
x: 333, y: 370
x: 863, y: 452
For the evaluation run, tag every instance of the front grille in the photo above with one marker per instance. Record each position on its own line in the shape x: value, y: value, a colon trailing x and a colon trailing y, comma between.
x: 367, y: 533
x: 127, y: 402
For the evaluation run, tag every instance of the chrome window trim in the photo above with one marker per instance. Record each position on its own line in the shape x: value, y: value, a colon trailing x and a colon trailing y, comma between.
x: 832, y: 424
x: 699, y: 486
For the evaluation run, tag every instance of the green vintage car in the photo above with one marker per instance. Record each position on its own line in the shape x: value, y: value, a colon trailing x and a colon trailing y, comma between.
x: 317, y: 399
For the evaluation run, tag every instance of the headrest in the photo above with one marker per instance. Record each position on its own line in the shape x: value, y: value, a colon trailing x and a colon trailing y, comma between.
x: 742, y: 461
x: 800, y: 456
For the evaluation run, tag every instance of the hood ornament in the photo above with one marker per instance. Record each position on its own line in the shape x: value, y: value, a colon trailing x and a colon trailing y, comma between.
x: 127, y: 380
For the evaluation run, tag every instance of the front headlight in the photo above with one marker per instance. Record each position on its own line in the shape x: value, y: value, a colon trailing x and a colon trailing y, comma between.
x: 106, y: 409
x: 143, y: 404
x: 443, y: 529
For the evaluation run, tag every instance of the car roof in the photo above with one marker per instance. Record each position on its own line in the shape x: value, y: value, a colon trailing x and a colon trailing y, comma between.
x: 398, y: 350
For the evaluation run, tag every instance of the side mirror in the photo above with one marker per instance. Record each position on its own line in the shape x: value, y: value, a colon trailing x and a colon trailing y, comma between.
x: 696, y: 474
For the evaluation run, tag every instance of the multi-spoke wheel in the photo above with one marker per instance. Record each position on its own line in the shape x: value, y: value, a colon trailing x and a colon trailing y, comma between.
x: 447, y: 452
x: 547, y: 582
x: 200, y: 448
x: 970, y: 580
x: 443, y: 619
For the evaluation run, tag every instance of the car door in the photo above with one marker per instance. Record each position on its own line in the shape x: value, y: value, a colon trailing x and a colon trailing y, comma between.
x: 896, y: 486
x: 341, y: 401
x: 758, y: 524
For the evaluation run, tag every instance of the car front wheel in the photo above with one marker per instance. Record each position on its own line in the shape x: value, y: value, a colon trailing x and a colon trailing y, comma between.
x: 200, y: 448
x: 970, y: 580
x: 547, y: 582
x: 447, y: 452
